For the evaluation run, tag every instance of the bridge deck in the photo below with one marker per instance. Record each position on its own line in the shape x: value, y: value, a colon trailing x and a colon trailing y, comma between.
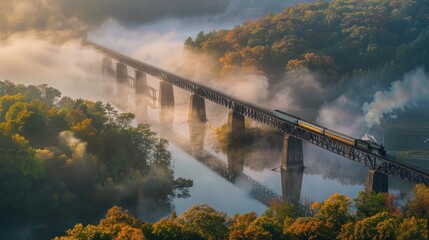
x: 382, y: 164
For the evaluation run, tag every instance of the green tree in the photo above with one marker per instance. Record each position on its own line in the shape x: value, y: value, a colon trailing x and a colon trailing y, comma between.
x: 205, y: 221
x: 166, y: 229
x: 379, y: 226
x: 418, y: 204
x: 264, y: 228
x: 280, y: 210
x: 369, y: 203
x: 412, y: 228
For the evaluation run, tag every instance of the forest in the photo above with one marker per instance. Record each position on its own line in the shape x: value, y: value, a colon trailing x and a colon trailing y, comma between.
x: 338, y: 40
x: 368, y: 216
x: 60, y: 156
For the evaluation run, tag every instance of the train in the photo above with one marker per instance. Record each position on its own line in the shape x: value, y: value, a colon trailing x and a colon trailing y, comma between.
x: 365, y: 145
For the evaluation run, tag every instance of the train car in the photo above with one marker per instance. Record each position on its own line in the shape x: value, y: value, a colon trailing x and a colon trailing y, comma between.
x: 285, y: 116
x: 361, y: 144
x: 377, y: 148
x: 371, y: 147
x: 311, y: 126
x: 340, y: 137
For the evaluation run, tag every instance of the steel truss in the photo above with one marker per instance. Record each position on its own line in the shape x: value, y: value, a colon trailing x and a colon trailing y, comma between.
x: 383, y: 164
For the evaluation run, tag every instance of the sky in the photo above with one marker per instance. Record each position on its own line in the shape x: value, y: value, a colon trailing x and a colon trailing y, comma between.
x: 78, y: 16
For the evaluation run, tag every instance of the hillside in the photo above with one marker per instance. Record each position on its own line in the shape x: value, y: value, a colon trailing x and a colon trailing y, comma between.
x: 338, y: 40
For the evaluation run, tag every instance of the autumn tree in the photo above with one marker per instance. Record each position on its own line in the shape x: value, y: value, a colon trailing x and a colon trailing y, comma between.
x: 205, y: 221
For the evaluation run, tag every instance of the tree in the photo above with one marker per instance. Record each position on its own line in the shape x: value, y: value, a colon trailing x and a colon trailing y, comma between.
x: 130, y: 233
x: 379, y: 226
x: 116, y: 218
x: 418, y: 204
x: 335, y: 211
x: 280, y: 210
x: 264, y: 228
x: 166, y: 229
x: 310, y: 228
x: 412, y: 228
x: 370, y: 203
x: 238, y: 225
x: 205, y: 221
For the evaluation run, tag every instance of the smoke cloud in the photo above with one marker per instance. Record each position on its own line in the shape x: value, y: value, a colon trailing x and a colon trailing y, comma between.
x: 343, y: 115
x: 299, y: 93
x: 26, y: 59
x: 76, y: 146
x: 405, y: 93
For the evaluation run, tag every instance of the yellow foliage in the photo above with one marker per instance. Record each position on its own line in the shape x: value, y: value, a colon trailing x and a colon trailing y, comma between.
x: 44, y: 154
x: 315, y: 206
x: 20, y: 140
x: 85, y: 128
x: 294, y: 64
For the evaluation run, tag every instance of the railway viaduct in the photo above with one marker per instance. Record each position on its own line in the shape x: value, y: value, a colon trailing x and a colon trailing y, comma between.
x: 380, y: 167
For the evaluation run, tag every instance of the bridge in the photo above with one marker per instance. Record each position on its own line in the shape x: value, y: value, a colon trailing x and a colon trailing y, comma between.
x: 379, y: 166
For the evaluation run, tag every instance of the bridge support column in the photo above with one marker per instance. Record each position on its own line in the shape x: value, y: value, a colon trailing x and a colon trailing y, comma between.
x: 292, y: 155
x: 141, y: 92
x: 106, y: 64
x: 166, y: 103
x: 197, y: 109
x: 236, y: 125
x: 376, y: 182
x: 121, y: 84
x: 292, y: 184
x: 197, y: 126
x: 107, y: 76
x: 141, y: 82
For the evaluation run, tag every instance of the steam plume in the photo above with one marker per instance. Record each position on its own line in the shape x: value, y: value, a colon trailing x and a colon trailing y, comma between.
x: 402, y: 94
x: 343, y: 115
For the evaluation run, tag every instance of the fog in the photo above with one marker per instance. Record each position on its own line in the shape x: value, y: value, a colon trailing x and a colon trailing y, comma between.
x: 402, y: 95
x: 40, y: 43
x: 24, y: 58
x: 77, y: 16
x: 344, y: 115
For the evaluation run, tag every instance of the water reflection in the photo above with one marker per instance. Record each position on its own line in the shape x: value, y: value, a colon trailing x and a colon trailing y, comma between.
x: 236, y: 158
x: 197, y: 135
x: 292, y: 184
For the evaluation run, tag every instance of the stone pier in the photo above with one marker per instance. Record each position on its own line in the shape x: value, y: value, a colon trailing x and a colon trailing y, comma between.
x: 141, y: 83
x: 121, y: 84
x: 292, y: 155
x: 376, y: 182
x: 107, y: 77
x: 197, y: 109
x: 106, y: 65
x: 166, y: 103
x: 197, y: 126
x: 141, y: 93
x: 291, y: 184
x: 236, y: 125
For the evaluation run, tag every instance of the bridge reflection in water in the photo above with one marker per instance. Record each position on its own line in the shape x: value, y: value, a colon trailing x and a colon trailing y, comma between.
x: 232, y: 171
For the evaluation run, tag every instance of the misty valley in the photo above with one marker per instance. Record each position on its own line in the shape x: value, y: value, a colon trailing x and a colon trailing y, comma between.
x: 224, y: 119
